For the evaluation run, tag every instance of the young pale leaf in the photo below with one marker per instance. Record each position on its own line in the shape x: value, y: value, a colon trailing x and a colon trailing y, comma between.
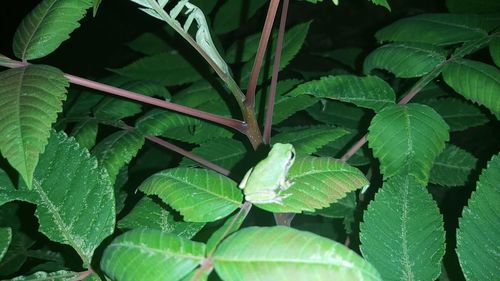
x: 147, y: 254
x: 231, y: 225
x: 5, y: 239
x: 407, y: 139
x: 307, y: 140
x: 405, y: 60
x: 233, y: 14
x: 475, y: 81
x: 69, y: 187
x: 226, y: 154
x: 337, y: 113
x: 97, y: 3
x: 31, y: 98
x: 47, y: 26
x: 283, y: 253
x: 149, y: 214
x: 317, y: 183
x: 436, y: 29
x: 293, y: 42
x: 370, y: 91
x: 61, y: 275
x: 402, y: 234
x: 199, y: 195
x: 477, y: 237
x: 167, y: 68
x: 495, y: 50
x: 452, y: 167
x: 117, y: 149
x: 458, y: 114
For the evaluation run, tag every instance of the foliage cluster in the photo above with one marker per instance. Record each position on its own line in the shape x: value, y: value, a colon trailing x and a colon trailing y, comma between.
x: 134, y: 176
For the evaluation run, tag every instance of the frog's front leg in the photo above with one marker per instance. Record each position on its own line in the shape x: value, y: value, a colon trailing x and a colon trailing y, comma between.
x: 284, y: 184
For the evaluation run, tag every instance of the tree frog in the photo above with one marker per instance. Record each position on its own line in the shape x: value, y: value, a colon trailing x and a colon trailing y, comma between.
x: 263, y: 183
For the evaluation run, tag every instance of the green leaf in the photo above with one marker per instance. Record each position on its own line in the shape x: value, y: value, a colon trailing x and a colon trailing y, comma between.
x: 231, y: 225
x: 458, y: 114
x: 475, y: 81
x: 477, y: 236
x: 402, y: 234
x: 226, y: 154
x: 117, y: 149
x: 66, y: 177
x: 180, y: 127
x: 114, y: 108
x: 147, y: 254
x: 369, y: 91
x: 47, y: 26
x: 85, y: 133
x: 405, y: 60
x: 31, y: 98
x: 16, y: 254
x: 211, y: 196
x: 347, y: 56
x: 382, y: 3
x: 495, y: 50
x: 272, y: 253
x: 437, y: 29
x: 232, y: 14
x: 61, y: 275
x: 340, y: 209
x: 337, y: 113
x: 167, y: 68
x: 197, y: 94
x: 407, y: 139
x: 5, y: 239
x: 149, y: 44
x: 149, y: 214
x: 307, y: 140
x: 284, y: 105
x: 245, y: 49
x: 452, y: 167
x: 339, y: 147
x: 472, y: 6
x: 317, y: 183
x: 292, y: 43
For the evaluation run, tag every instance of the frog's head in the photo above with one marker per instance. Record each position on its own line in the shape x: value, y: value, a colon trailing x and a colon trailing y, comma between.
x: 283, y: 151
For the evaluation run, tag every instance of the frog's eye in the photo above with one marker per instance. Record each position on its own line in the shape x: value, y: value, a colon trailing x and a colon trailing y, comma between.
x: 292, y: 157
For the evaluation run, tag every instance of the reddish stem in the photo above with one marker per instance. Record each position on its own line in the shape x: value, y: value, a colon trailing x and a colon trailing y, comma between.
x: 257, y: 65
x: 276, y: 69
x: 229, y: 122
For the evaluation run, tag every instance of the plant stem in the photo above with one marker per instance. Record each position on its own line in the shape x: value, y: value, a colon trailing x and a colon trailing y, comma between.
x: 189, y: 155
x: 229, y: 122
x: 259, y: 58
x: 274, y: 79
